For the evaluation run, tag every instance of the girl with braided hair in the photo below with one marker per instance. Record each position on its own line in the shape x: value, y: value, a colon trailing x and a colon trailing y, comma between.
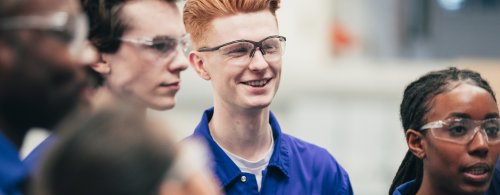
x: 451, y: 122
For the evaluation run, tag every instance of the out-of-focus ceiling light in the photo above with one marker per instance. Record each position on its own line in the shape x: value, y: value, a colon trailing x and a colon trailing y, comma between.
x: 451, y: 5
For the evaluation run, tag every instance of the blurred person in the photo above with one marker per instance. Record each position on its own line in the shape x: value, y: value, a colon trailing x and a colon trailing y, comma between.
x: 140, y: 45
x: 42, y: 49
x: 451, y: 123
x: 115, y: 152
x: 238, y: 48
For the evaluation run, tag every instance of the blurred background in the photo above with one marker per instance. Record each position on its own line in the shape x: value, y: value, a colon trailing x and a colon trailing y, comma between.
x: 345, y: 68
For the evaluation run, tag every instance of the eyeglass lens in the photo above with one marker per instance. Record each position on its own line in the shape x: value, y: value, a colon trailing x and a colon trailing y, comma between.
x: 164, y: 46
x: 271, y: 49
x: 464, y: 130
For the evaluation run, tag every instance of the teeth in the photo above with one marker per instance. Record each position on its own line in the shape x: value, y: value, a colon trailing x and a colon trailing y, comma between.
x: 258, y: 83
x: 477, y: 170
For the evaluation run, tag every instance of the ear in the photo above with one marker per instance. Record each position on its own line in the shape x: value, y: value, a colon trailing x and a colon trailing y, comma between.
x: 196, y: 61
x: 415, y: 141
x: 102, y: 66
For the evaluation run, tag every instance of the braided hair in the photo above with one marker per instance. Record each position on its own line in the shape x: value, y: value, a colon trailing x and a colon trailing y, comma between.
x: 417, y: 101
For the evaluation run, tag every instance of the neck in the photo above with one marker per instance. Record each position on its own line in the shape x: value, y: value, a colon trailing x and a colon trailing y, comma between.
x: 242, y: 132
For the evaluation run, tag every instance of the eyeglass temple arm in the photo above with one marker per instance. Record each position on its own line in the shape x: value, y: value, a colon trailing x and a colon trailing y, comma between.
x: 436, y: 124
x: 56, y: 20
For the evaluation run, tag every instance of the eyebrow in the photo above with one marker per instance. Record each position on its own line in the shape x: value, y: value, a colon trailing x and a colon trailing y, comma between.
x: 170, y: 36
x: 465, y: 115
x: 491, y: 115
x: 459, y: 115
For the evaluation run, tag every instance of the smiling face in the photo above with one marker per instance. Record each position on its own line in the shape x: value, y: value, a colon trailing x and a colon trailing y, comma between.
x: 460, y: 168
x: 245, y: 86
x: 139, y: 71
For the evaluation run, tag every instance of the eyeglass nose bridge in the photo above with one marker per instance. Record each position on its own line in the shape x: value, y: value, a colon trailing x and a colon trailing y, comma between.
x: 482, y: 131
x: 255, y: 46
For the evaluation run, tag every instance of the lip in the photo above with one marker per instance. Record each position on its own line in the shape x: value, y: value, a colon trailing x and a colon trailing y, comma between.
x: 170, y: 85
x: 477, y: 173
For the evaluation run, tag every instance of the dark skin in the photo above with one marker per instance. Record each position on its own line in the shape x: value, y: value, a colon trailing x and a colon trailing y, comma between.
x: 447, y: 165
x: 40, y: 82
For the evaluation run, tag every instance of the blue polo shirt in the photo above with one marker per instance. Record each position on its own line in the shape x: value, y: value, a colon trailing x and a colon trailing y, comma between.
x: 12, y: 171
x: 495, y: 182
x: 33, y: 160
x: 295, y: 167
x: 405, y: 189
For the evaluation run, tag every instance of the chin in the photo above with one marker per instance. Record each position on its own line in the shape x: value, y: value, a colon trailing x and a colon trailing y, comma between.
x: 475, y: 189
x: 258, y: 105
x: 162, y: 105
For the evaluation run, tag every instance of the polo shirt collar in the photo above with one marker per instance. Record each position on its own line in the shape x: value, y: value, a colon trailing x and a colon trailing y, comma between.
x: 405, y: 188
x: 226, y: 169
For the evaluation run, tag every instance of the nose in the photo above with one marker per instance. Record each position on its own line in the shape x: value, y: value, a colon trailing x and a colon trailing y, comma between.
x: 478, y: 146
x: 258, y: 62
x: 179, y: 63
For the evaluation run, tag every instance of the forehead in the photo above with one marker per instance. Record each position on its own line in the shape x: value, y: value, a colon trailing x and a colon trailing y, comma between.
x: 464, y: 98
x: 152, y: 18
x: 44, y: 7
x: 249, y: 26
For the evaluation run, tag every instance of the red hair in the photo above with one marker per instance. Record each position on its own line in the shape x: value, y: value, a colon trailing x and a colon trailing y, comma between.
x: 199, y: 13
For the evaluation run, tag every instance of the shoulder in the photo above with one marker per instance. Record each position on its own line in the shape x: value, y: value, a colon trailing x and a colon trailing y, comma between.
x: 320, y: 163
x: 303, y: 149
x: 35, y: 156
x: 405, y: 189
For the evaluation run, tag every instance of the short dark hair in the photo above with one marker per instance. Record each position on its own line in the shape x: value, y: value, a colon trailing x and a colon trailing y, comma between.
x: 417, y: 101
x: 113, y: 152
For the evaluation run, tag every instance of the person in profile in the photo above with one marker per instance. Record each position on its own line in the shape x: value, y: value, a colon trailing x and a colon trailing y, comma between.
x: 115, y: 152
x: 239, y: 49
x: 142, y: 46
x: 451, y: 122
x: 42, y: 51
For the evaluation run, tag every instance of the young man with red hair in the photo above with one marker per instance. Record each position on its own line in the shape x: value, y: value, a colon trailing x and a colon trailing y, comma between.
x: 237, y: 46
